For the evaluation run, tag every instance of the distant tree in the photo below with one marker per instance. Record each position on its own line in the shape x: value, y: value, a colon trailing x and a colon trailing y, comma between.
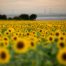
x: 0, y: 16
x: 24, y: 17
x: 16, y: 18
x: 3, y: 17
x: 10, y: 18
x: 33, y: 17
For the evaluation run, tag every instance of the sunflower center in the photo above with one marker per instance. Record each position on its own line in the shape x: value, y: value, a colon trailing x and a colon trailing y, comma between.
x: 9, y: 30
x: 57, y: 34
x: 7, y: 33
x: 20, y: 45
x: 32, y: 44
x: 3, y: 55
x: 61, y: 38
x: 15, y: 38
x: 40, y: 30
x: 62, y: 44
x: 50, y: 38
x: 64, y: 56
x: 63, y: 33
x: 5, y: 38
x: 27, y: 33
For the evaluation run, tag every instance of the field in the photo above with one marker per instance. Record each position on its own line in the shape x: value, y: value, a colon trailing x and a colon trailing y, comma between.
x: 33, y: 43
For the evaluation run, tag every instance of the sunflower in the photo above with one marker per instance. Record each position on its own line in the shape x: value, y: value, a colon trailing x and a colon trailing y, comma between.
x: 5, y: 41
x: 61, y: 44
x: 28, y: 33
x: 20, y: 34
x: 40, y: 30
x: 61, y: 56
x: 17, y: 33
x: 31, y: 34
x: 5, y: 38
x: 4, y: 56
x: 33, y: 42
x: 21, y: 45
x: 4, y: 44
x: 14, y: 37
x: 50, y: 38
x: 58, y: 33
x: 62, y: 37
x: 6, y: 33
x: 10, y: 30
x: 33, y: 38
x: 1, y: 44
x: 46, y: 32
x: 52, y: 33
x: 64, y: 33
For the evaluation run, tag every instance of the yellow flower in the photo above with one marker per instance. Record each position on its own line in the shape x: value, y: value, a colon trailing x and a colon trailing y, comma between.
x: 52, y: 33
x: 20, y: 34
x: 4, y: 44
x: 33, y: 45
x: 31, y: 34
x: 11, y: 30
x: 5, y: 38
x: 61, y: 56
x: 62, y: 37
x: 50, y: 38
x: 14, y: 37
x: 21, y: 45
x: 4, y: 56
x: 33, y: 42
x: 61, y: 44
x: 64, y: 33
x: 1, y: 44
x: 32, y: 38
x: 58, y: 33
x: 6, y: 33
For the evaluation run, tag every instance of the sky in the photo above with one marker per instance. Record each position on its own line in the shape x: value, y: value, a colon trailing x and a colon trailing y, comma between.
x: 15, y: 7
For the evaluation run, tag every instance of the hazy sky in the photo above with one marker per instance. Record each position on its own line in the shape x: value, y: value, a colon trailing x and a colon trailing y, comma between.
x: 32, y: 6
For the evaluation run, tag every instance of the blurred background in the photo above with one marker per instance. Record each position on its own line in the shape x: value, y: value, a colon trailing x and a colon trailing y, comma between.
x: 44, y: 9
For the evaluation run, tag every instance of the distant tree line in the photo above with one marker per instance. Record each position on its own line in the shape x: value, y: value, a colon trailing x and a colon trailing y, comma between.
x: 20, y: 17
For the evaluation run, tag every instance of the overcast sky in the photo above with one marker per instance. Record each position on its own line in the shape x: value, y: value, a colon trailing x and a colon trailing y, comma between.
x: 32, y: 6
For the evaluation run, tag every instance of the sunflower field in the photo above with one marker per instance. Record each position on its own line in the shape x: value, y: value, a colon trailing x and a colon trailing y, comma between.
x: 33, y: 43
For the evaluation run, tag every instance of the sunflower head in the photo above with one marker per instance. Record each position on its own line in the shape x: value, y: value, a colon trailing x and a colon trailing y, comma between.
x: 6, y: 33
x: 61, y: 56
x: 61, y: 44
x: 52, y: 33
x: 10, y: 30
x: 58, y: 33
x: 64, y: 33
x: 21, y: 45
x: 62, y: 37
x: 50, y: 39
x: 5, y: 38
x: 4, y: 56
x: 33, y: 45
x: 14, y: 37
x: 33, y: 42
x: 4, y: 44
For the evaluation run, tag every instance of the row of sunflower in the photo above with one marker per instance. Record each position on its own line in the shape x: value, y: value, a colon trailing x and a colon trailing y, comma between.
x: 33, y: 44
